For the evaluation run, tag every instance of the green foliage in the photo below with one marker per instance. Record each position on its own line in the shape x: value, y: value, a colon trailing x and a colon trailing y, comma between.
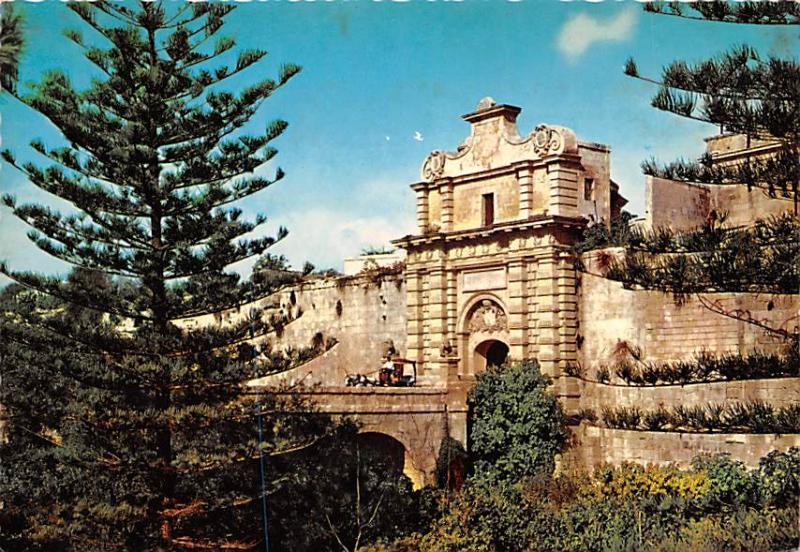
x: 737, y: 417
x: 762, y: 258
x: 780, y: 477
x: 706, y: 367
x: 516, y: 425
x: 11, y: 46
x: 732, y: 485
x: 340, y: 492
x: 452, y: 464
x: 743, y: 530
x: 372, y: 250
x: 738, y: 91
x: 599, y: 235
x: 760, y: 13
x: 128, y: 428
x: 716, y: 505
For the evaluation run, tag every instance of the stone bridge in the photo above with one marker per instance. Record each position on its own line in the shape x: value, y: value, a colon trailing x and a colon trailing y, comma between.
x: 418, y: 418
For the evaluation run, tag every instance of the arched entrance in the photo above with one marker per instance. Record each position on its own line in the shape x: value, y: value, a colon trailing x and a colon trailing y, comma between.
x: 492, y: 352
x: 392, y: 454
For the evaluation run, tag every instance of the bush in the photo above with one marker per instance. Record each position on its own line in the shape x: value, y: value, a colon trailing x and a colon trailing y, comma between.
x: 741, y: 531
x: 712, y: 507
x: 452, y: 464
x: 706, y: 367
x: 516, y: 425
x: 731, y: 484
x: 779, y: 475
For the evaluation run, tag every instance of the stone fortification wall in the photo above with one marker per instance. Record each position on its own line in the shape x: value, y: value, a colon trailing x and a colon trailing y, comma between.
x: 664, y: 330
x: 779, y: 392
x: 599, y: 445
x: 361, y: 313
x: 685, y: 205
x: 609, y: 314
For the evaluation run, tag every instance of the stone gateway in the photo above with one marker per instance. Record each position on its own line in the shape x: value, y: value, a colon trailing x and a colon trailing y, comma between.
x: 490, y: 275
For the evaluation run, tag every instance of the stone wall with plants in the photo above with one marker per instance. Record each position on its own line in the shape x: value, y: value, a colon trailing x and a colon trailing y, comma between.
x: 779, y: 392
x: 663, y: 330
x: 595, y: 446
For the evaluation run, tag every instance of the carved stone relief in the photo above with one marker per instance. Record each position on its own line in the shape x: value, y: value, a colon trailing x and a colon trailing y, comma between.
x: 433, y: 166
x: 547, y: 141
x: 488, y: 317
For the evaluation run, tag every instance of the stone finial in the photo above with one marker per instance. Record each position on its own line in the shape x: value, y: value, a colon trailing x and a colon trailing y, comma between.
x: 486, y: 103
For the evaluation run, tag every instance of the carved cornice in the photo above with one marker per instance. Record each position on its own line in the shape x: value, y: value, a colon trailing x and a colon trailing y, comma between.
x: 510, y: 228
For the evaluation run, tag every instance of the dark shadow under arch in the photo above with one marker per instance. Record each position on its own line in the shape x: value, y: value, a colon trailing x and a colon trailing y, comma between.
x: 493, y: 352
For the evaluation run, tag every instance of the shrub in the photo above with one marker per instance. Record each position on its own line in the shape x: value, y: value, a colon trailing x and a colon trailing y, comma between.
x: 712, y: 507
x: 707, y: 367
x: 517, y: 425
x: 622, y: 417
x: 731, y: 484
x: 587, y: 414
x: 780, y: 477
x: 627, y: 372
x: 740, y: 531
x: 603, y: 374
x: 452, y: 464
x: 787, y: 419
x: 656, y: 420
x: 745, y: 417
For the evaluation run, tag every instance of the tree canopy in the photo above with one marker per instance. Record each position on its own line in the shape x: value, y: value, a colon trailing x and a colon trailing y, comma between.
x: 740, y: 91
x: 129, y: 425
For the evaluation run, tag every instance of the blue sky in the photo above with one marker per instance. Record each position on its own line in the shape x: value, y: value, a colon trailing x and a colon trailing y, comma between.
x: 376, y: 73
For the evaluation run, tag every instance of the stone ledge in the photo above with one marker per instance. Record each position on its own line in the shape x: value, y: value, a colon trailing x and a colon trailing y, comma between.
x: 344, y: 390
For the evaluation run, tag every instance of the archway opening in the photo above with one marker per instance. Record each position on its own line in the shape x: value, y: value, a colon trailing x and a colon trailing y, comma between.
x: 492, y: 353
x: 390, y: 453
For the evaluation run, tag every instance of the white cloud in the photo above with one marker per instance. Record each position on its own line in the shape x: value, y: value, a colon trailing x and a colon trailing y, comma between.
x: 326, y: 236
x: 581, y: 31
x: 418, y: 136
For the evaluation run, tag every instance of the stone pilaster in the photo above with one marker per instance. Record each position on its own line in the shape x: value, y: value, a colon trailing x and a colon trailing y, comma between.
x: 547, y: 314
x: 423, y: 220
x: 563, y: 182
x: 414, y: 311
x: 437, y: 316
x: 525, y: 179
x: 446, y: 191
x: 517, y: 309
x: 567, y: 387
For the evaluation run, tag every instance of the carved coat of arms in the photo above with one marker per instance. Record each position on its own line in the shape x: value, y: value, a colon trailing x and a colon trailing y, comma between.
x: 489, y: 317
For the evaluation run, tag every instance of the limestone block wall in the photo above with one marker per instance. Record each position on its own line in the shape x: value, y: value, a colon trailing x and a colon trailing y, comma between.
x: 684, y: 205
x: 780, y: 392
x: 665, y: 331
x: 599, y: 445
x: 362, y: 314
x: 679, y: 205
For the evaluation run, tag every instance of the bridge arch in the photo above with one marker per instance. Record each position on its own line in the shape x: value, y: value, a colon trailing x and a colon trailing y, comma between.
x: 394, y: 452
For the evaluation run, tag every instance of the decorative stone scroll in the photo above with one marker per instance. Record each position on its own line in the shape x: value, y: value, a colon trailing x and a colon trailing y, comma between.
x: 433, y: 166
x: 488, y: 317
x: 547, y: 141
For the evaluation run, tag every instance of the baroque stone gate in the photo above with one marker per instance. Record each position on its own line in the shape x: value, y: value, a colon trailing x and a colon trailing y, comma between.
x: 490, y: 272
x: 490, y: 275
